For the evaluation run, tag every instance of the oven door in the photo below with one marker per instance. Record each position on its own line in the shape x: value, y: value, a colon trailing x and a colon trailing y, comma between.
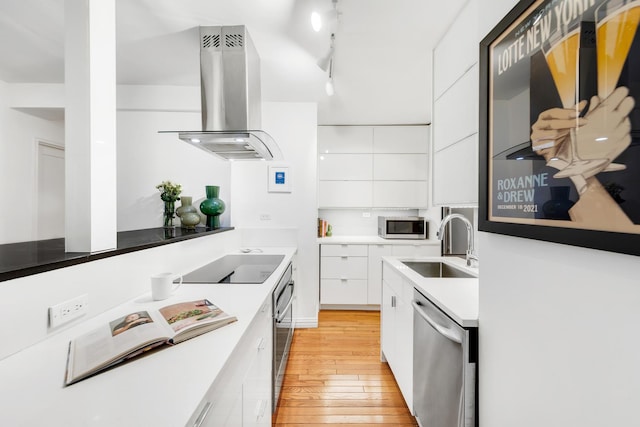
x: 282, y: 335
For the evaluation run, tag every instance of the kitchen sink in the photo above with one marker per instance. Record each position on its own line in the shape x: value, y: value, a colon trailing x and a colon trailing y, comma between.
x: 236, y: 268
x: 436, y: 269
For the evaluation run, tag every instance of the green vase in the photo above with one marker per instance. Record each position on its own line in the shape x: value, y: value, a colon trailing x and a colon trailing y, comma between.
x: 169, y: 211
x: 212, y: 206
x: 188, y: 213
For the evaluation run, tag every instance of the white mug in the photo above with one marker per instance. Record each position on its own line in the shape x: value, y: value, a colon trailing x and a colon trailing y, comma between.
x: 162, y: 285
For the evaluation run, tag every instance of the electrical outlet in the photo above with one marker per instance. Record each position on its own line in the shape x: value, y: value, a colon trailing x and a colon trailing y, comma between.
x: 265, y: 217
x: 68, y: 310
x: 366, y: 214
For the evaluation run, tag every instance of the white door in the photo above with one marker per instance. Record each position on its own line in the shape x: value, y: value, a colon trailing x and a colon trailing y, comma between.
x: 50, y: 194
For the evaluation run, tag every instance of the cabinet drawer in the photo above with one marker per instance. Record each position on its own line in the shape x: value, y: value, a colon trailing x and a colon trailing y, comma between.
x: 336, y: 291
x: 343, y: 250
x: 343, y: 267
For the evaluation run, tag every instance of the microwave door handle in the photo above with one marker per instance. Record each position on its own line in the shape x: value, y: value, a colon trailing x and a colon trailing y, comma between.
x: 283, y: 312
x: 442, y: 330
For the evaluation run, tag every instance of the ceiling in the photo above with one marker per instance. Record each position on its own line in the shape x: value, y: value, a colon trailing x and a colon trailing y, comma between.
x: 382, y: 62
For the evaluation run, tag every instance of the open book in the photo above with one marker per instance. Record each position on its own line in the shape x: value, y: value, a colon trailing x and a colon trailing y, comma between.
x: 133, y: 334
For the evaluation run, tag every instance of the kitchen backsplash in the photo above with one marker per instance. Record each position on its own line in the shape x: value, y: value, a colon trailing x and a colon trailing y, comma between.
x: 355, y: 222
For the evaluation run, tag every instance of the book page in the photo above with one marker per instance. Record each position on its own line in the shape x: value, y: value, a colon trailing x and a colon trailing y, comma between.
x: 114, y: 341
x: 186, y: 317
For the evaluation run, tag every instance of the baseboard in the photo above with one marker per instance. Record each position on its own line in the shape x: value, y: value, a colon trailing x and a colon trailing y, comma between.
x: 306, y: 322
x: 372, y: 307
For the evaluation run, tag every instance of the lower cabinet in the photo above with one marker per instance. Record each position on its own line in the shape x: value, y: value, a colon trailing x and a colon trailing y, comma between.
x: 352, y: 274
x: 241, y: 394
x: 397, y: 330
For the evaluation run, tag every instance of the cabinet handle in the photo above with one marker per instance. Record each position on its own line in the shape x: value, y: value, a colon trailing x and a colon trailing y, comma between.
x: 260, y: 408
x: 261, y: 344
x: 203, y: 415
x: 344, y: 256
x: 393, y: 300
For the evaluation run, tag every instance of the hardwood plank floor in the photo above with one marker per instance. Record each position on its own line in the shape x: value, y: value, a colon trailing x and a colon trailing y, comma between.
x: 334, y: 376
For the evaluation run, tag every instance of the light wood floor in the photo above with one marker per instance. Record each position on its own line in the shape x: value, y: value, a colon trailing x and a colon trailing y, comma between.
x: 334, y: 376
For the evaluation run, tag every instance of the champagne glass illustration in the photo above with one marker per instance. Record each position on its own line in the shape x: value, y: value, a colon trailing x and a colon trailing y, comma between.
x: 616, y: 26
x: 561, y: 53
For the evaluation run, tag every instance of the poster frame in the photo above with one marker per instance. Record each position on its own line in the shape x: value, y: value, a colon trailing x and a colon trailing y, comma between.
x: 625, y: 243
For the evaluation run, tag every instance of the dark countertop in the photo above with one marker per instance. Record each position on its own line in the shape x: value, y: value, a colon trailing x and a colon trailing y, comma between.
x: 27, y: 258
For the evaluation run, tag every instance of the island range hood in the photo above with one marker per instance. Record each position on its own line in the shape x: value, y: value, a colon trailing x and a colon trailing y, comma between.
x: 231, y: 98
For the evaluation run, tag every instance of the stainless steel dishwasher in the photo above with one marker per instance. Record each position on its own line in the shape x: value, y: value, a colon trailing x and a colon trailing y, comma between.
x: 444, y: 368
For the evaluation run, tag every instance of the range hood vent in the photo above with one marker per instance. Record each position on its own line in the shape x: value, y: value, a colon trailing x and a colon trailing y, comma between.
x: 231, y: 98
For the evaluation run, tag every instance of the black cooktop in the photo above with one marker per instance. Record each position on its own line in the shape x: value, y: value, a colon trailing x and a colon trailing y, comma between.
x: 237, y: 268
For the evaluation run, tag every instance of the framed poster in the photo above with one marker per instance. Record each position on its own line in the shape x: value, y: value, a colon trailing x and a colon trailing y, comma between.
x: 560, y: 124
x: 279, y: 179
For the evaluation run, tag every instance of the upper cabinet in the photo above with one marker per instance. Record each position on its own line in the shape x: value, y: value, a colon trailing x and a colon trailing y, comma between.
x: 373, y: 166
x: 455, y: 113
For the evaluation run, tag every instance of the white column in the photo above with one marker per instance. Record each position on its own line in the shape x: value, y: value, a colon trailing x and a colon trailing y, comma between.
x: 90, y: 125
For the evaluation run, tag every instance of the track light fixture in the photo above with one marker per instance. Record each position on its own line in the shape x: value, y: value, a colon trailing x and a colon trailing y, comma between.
x: 325, y: 61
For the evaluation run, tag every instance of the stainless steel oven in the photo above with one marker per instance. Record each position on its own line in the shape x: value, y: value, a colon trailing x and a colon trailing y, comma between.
x: 282, y: 329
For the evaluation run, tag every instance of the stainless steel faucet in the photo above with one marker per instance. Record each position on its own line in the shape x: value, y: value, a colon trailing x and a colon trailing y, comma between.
x: 471, y: 257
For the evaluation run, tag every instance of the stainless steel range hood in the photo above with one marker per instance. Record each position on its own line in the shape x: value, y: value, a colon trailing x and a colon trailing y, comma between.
x: 231, y: 98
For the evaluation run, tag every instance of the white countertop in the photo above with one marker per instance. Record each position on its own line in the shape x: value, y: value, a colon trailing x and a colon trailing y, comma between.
x: 457, y: 297
x: 375, y: 240
x: 159, y: 389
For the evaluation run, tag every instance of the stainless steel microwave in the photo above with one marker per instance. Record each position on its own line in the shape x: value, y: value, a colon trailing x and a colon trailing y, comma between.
x: 402, y: 227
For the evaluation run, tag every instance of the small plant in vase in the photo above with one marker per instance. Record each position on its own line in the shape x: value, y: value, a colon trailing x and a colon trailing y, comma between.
x: 169, y: 193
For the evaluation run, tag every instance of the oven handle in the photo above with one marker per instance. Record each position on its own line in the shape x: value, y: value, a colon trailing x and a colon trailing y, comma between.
x: 442, y: 330
x: 283, y: 312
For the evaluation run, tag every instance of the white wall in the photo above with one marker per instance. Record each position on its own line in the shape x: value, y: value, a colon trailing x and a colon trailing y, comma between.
x: 18, y: 154
x: 146, y: 158
x: 294, y: 127
x: 108, y: 282
x: 558, y: 335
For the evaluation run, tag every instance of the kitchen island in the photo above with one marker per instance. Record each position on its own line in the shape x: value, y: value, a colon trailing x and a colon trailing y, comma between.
x: 162, y: 388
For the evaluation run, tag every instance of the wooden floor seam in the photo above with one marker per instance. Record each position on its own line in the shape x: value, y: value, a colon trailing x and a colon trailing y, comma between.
x: 335, y: 376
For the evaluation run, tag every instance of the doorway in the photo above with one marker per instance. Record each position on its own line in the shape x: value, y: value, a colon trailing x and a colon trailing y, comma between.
x: 49, y: 201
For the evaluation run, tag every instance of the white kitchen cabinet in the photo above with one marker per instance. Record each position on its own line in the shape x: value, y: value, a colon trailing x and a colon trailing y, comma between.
x: 345, y: 139
x: 345, y: 194
x: 455, y: 174
x: 400, y: 194
x: 455, y: 114
x: 241, y: 394
x: 352, y: 274
x: 345, y: 167
x: 400, y: 139
x: 448, y: 67
x: 400, y: 167
x: 457, y: 120
x: 374, y: 290
x: 256, y: 387
x: 397, y: 330
x: 343, y: 274
x: 389, y: 170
